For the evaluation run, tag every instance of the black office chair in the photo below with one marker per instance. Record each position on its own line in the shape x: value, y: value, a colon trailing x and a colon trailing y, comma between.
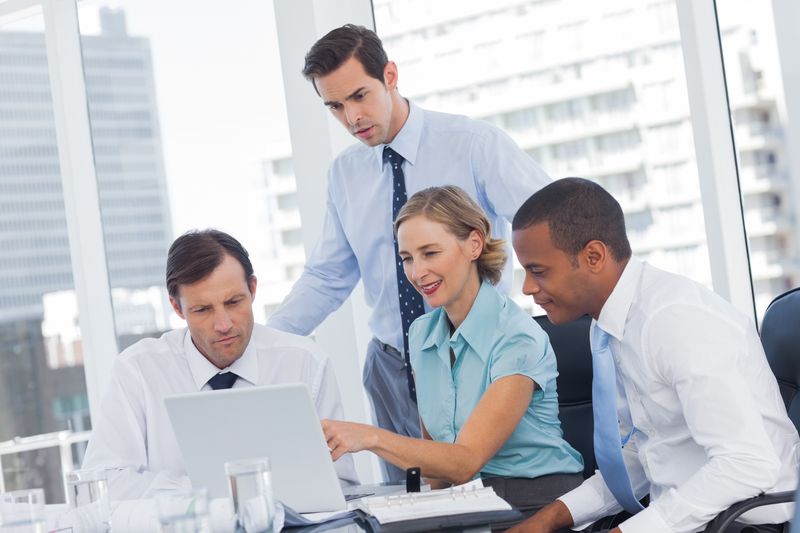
x: 574, y: 356
x: 780, y: 336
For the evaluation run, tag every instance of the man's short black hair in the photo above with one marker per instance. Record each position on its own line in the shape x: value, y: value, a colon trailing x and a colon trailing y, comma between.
x: 576, y: 211
x: 196, y: 253
x: 337, y: 46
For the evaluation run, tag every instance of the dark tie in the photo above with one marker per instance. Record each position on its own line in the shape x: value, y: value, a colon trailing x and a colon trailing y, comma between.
x: 223, y: 381
x: 410, y: 300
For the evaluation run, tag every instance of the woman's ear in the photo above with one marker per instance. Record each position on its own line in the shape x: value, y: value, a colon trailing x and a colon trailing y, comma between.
x: 476, y: 241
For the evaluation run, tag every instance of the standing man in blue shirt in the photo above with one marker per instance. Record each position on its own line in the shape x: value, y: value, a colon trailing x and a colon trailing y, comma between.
x: 403, y: 149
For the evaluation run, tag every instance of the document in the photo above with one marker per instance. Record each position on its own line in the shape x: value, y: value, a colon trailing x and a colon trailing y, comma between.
x: 469, y: 498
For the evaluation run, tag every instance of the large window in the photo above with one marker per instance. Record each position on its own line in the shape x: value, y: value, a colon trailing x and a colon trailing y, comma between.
x: 186, y: 132
x: 758, y: 111
x: 590, y: 89
x: 183, y: 124
x: 43, y: 402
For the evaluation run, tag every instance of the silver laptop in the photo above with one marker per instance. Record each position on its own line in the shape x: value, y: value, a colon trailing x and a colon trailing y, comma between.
x: 278, y: 421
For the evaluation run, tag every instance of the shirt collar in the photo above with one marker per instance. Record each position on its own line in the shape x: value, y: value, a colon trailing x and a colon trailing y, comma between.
x: 246, y: 367
x: 476, y: 327
x: 614, y: 313
x: 406, y: 142
x: 481, y: 320
x: 439, y: 329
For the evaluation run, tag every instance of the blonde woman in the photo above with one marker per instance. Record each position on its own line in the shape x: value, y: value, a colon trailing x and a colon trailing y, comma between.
x: 485, y: 372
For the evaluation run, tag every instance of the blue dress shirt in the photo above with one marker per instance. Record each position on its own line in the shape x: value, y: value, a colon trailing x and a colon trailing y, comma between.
x: 356, y: 241
x: 496, y: 339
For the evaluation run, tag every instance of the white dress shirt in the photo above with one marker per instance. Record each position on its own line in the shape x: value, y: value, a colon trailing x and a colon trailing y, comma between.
x: 712, y: 428
x: 133, y: 434
x: 357, y: 239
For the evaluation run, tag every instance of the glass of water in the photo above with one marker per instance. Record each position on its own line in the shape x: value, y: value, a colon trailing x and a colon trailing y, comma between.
x: 22, y: 511
x: 87, y: 494
x: 250, y: 488
x: 183, y: 511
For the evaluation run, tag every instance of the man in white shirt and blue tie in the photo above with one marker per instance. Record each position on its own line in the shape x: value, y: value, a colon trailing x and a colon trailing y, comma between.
x: 211, y: 285
x: 402, y: 150
x: 686, y: 408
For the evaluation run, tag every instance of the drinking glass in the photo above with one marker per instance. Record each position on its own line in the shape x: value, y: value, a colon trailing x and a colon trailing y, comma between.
x: 184, y: 511
x: 250, y: 489
x: 87, y: 494
x: 22, y: 511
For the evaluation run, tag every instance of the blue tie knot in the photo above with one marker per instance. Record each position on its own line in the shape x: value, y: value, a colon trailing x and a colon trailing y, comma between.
x: 600, y: 337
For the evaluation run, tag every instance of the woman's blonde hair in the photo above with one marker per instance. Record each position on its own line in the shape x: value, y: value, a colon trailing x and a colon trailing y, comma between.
x: 460, y: 214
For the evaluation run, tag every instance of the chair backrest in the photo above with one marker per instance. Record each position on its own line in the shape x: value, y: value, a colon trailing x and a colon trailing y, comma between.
x: 574, y: 356
x: 780, y: 335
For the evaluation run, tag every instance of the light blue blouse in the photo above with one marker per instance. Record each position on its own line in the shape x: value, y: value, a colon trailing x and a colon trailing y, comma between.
x: 496, y: 339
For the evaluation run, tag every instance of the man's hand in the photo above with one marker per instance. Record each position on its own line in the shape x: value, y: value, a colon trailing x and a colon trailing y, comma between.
x: 547, y: 520
x: 348, y: 437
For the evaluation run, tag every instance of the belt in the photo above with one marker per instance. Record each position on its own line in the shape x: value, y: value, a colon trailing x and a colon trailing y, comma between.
x: 388, y: 348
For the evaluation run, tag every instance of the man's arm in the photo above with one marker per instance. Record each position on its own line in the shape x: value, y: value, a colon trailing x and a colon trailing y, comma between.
x: 587, y: 503
x: 504, y: 173
x: 720, y: 413
x: 328, y: 402
x: 328, y: 278
x: 548, y: 519
x: 118, y: 441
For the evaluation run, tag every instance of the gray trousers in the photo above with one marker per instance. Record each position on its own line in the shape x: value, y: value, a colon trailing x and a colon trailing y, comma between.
x: 530, y: 494
x: 387, y: 388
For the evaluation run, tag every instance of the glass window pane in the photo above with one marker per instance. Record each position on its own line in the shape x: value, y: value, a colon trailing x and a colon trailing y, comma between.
x: 43, y: 389
x: 758, y: 111
x: 590, y: 89
x: 131, y: 181
x: 183, y: 124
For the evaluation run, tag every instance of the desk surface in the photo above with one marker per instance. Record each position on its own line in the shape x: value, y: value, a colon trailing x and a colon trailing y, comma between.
x: 135, y: 514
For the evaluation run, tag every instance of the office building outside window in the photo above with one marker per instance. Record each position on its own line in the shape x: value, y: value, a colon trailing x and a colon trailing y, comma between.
x: 768, y: 180
x: 43, y: 402
x: 598, y: 90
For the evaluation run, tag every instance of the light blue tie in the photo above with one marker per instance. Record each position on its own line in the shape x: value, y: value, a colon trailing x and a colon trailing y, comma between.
x: 607, y: 442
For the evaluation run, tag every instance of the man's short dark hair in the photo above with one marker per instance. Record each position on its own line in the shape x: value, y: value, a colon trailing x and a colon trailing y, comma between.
x: 339, y: 45
x: 577, y: 211
x: 196, y: 253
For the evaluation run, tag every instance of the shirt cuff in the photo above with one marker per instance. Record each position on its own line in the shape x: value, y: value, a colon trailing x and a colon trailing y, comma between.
x: 647, y: 521
x: 585, y: 505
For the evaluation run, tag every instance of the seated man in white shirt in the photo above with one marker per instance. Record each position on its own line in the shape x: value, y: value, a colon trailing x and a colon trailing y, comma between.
x: 692, y: 413
x: 211, y: 285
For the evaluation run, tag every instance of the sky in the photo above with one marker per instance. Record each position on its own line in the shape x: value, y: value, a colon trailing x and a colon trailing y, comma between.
x: 221, y: 104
